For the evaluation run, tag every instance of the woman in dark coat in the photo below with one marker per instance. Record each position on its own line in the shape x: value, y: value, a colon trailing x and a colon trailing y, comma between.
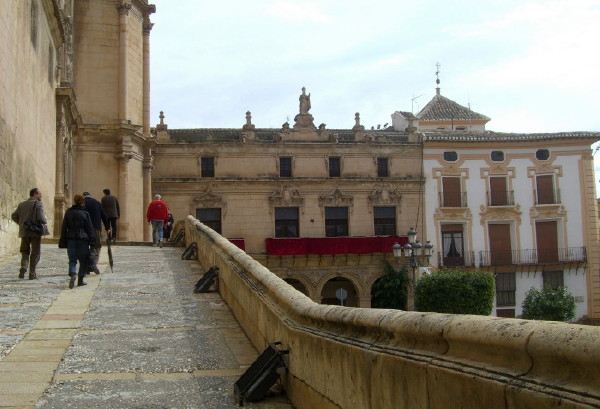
x: 77, y: 236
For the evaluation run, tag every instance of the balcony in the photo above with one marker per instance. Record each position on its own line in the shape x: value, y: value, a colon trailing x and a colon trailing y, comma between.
x: 453, y: 199
x: 501, y: 198
x: 532, y: 257
x: 332, y: 245
x: 466, y: 260
x: 545, y: 197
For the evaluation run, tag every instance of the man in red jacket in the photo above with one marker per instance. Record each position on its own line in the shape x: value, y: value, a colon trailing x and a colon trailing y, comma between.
x: 157, y: 214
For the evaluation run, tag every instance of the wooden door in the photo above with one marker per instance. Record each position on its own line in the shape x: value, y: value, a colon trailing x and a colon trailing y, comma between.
x: 546, y: 234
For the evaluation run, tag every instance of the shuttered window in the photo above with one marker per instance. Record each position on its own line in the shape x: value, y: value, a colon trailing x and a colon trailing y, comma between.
x: 498, y: 191
x: 547, y: 241
x: 500, y: 245
x: 545, y: 189
x: 451, y: 192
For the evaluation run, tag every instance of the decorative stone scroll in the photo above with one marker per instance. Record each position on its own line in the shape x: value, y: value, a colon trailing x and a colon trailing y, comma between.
x: 285, y: 196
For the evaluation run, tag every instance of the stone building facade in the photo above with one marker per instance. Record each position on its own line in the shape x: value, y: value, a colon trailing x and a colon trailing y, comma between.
x: 75, y: 99
x: 320, y: 207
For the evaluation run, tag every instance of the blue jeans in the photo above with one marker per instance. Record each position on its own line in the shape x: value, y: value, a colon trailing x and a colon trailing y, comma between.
x: 78, y: 250
x: 157, y: 230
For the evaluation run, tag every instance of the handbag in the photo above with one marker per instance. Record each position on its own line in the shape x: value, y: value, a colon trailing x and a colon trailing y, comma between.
x: 33, y: 226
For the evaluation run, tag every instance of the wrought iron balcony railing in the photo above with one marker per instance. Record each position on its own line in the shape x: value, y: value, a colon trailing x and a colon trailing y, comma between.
x: 502, y: 198
x: 465, y: 260
x: 532, y: 256
x: 453, y: 199
x: 542, y: 197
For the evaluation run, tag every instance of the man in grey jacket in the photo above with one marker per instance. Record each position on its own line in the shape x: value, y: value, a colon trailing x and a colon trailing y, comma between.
x: 110, y: 204
x: 30, y: 210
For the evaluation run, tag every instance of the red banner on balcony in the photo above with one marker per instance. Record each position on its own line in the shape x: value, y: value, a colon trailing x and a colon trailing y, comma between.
x: 332, y: 245
x: 239, y: 242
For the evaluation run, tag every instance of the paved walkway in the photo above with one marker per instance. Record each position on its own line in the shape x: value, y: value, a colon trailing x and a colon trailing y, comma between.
x: 136, y: 338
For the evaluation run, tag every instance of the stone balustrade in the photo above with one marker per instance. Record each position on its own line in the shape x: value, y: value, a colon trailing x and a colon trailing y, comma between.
x: 374, y: 358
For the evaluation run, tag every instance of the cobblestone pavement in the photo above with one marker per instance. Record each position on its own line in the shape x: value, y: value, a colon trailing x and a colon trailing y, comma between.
x: 136, y: 338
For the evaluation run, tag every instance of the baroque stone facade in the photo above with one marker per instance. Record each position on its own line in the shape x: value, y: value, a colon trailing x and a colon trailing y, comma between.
x: 74, y: 116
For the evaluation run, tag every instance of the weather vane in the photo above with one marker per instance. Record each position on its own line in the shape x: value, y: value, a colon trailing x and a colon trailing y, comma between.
x: 437, y: 73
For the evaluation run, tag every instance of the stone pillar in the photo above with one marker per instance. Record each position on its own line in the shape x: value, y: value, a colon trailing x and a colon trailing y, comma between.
x: 364, y: 301
x: 59, y: 193
x: 147, y: 166
x: 124, y: 223
x: 146, y: 51
x: 123, y: 41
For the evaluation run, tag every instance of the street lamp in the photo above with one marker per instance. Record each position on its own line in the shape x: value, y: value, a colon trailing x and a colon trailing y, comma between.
x: 416, y: 255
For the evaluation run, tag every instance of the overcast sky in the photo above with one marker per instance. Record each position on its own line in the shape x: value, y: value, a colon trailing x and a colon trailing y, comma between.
x: 531, y: 66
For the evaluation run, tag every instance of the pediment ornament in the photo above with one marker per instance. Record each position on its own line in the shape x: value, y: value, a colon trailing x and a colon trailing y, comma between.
x: 207, y: 198
x: 286, y: 196
x: 335, y: 198
x: 384, y: 196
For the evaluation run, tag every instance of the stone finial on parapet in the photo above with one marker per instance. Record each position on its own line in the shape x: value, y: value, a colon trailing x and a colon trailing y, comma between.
x: 248, y: 129
x: 358, y: 129
x: 162, y: 132
x: 323, y: 132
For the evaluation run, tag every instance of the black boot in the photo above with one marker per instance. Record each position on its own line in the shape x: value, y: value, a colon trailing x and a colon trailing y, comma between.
x: 72, y: 281
x: 22, y: 272
x: 80, y: 282
x: 32, y: 275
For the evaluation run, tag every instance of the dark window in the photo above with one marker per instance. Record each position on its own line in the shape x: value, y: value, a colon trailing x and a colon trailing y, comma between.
x: 554, y: 279
x: 452, y: 245
x: 542, y: 154
x: 382, y: 167
x: 334, y: 167
x: 450, y: 156
x: 210, y: 217
x: 285, y: 167
x: 286, y: 222
x: 385, y: 221
x: 506, y: 285
x: 207, y: 167
x: 497, y: 156
x: 336, y: 221
x: 506, y: 313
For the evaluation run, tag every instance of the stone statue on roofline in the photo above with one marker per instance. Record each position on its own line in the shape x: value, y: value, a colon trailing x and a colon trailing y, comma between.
x: 304, y: 102
x: 304, y: 120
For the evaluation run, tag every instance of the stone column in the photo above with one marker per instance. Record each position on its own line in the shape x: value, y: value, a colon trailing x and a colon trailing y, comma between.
x: 123, y: 41
x: 59, y: 193
x: 147, y: 166
x: 146, y: 101
x: 124, y: 222
x: 364, y: 301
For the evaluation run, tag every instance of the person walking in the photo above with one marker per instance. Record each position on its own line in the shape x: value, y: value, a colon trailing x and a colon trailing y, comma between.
x: 98, y: 218
x: 110, y: 204
x: 157, y: 214
x: 78, y: 236
x: 31, y: 210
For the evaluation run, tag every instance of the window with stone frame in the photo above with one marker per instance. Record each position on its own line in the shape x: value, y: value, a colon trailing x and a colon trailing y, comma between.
x: 336, y: 221
x: 210, y: 217
x: 287, y: 223
x: 335, y: 168
x: 506, y: 285
x: 207, y: 167
x: 285, y: 167
x: 384, y: 220
x: 383, y: 170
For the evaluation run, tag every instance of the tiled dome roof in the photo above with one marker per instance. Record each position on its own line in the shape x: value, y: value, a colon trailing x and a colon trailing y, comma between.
x: 441, y: 108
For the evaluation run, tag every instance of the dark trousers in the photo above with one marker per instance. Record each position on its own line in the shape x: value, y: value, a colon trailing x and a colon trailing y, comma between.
x: 113, y: 227
x: 30, y: 252
x: 78, y: 250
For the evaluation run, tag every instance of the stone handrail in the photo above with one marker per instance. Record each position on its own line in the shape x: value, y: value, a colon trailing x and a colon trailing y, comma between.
x: 344, y: 357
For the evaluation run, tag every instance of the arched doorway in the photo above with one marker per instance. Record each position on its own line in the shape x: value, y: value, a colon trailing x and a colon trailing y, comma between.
x: 298, y: 285
x: 339, y: 291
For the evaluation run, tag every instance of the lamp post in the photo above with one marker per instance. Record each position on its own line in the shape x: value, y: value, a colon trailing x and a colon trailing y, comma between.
x: 416, y: 254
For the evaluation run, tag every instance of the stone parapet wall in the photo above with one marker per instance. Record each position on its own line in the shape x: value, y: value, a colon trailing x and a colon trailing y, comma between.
x: 373, y: 358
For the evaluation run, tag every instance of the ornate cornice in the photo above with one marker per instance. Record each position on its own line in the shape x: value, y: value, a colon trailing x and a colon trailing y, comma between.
x: 336, y: 198
x: 286, y: 196
x: 386, y: 195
